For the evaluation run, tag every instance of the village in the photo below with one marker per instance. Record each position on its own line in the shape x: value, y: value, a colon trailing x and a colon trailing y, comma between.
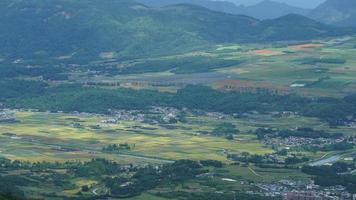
x: 7, y: 116
x: 306, y: 190
x: 155, y: 115
x: 285, y: 153
x: 294, y: 142
x: 289, y: 189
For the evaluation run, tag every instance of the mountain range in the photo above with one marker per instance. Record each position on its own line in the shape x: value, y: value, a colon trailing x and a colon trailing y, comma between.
x: 336, y: 12
x: 333, y: 12
x: 309, y: 4
x: 46, y: 28
x: 266, y: 9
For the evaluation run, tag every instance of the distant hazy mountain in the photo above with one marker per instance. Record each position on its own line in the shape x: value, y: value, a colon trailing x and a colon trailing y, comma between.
x: 222, y: 6
x: 266, y: 9
x: 297, y: 26
x: 309, y: 4
x: 336, y: 12
x: 90, y: 27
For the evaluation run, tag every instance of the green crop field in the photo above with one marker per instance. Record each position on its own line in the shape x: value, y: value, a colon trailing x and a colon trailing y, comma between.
x: 38, y: 136
x: 45, y: 136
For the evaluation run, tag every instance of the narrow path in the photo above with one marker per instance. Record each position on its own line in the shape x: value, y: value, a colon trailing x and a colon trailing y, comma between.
x: 254, y: 172
x: 94, y: 191
x: 324, y: 155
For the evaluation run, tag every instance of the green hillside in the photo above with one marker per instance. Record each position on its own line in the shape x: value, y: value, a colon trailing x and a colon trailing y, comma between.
x: 81, y: 27
x: 266, y: 9
x: 296, y: 27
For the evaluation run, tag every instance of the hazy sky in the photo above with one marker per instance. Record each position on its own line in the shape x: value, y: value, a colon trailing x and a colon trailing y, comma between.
x: 299, y: 3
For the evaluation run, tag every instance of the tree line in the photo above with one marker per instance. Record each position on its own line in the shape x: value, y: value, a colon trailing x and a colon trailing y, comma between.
x: 69, y: 98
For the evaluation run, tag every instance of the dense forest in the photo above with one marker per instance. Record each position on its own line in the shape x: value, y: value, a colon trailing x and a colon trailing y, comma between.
x: 69, y: 98
x: 122, y: 182
x: 131, y: 30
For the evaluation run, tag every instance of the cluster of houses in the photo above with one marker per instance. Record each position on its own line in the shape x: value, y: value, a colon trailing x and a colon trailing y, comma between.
x: 302, y: 190
x: 155, y: 115
x: 352, y: 124
x: 216, y: 115
x: 292, y: 141
x: 125, y: 115
x: 166, y: 113
x: 291, y: 189
x: 7, y: 116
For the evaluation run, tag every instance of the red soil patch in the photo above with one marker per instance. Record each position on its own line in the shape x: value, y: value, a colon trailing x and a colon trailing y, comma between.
x: 266, y: 52
x: 305, y: 46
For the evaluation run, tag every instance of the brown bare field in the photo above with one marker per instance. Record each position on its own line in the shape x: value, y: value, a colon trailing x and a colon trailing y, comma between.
x: 249, y: 86
x: 266, y: 52
x: 301, y: 47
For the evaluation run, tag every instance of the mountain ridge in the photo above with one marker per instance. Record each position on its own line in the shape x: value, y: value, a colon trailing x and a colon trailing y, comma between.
x: 130, y: 30
x: 336, y: 12
x: 266, y: 9
x: 269, y: 9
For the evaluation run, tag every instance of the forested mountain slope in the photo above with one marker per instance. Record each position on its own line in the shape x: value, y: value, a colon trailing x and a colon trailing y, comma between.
x: 266, y: 9
x: 336, y: 12
x: 81, y: 27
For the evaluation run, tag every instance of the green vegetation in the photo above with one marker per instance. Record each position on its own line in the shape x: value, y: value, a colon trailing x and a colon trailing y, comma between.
x: 75, y: 98
x: 114, y: 148
x: 78, y: 180
x: 299, y: 132
x: 131, y: 30
x: 227, y: 130
x: 171, y: 103
x: 58, y: 137
x: 333, y: 175
x: 181, y: 65
x: 315, y: 61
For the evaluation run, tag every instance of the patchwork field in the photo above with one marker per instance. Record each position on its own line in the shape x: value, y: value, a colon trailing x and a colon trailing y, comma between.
x: 313, y: 68
x: 250, y: 161
x: 38, y: 136
x: 58, y: 137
